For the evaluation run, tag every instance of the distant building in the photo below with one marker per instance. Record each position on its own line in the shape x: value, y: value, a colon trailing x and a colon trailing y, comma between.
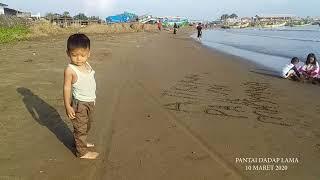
x: 2, y: 6
x: 11, y: 12
x: 67, y: 21
x: 194, y: 21
x: 272, y: 17
x: 24, y: 14
x: 246, y: 19
x: 36, y: 16
x: 148, y: 19
x: 316, y: 18
x: 4, y: 10
x: 8, y: 11
x: 232, y: 20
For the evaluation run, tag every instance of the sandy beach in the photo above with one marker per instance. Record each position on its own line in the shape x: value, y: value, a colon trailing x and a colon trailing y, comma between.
x: 167, y: 108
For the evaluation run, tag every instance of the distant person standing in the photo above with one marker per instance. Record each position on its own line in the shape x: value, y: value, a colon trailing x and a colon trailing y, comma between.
x: 199, y: 28
x: 175, y: 27
x: 159, y: 25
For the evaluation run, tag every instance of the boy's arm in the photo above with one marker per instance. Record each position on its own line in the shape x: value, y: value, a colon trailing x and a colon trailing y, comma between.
x: 296, y: 71
x: 67, y: 93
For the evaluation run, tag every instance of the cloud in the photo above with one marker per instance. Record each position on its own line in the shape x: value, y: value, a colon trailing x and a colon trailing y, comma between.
x: 98, y: 7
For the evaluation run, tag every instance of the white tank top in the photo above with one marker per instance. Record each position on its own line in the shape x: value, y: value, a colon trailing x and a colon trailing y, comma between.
x: 85, y: 87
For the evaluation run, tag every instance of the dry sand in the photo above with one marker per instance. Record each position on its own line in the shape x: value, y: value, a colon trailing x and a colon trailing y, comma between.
x: 167, y: 108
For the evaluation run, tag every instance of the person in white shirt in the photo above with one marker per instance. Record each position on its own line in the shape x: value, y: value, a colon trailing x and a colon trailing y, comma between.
x: 80, y: 93
x: 290, y: 71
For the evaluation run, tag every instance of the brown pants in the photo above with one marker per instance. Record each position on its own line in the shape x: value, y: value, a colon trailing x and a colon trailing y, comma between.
x: 82, y: 124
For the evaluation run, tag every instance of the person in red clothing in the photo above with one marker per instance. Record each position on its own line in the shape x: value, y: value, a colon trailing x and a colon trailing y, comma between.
x: 311, y: 68
x: 159, y: 25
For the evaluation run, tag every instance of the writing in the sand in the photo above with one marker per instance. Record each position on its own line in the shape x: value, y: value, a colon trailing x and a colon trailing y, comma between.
x: 192, y: 95
x: 10, y: 178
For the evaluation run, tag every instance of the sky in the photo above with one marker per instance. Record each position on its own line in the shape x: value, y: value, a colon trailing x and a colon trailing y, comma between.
x: 193, y: 9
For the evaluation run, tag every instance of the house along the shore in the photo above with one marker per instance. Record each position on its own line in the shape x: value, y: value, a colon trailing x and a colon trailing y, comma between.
x: 2, y: 6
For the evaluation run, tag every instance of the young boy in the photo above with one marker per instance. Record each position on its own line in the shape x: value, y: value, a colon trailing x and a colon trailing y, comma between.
x: 79, y: 93
x: 291, y: 71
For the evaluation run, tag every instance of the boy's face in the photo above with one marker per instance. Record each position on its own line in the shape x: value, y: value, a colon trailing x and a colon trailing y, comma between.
x: 79, y: 56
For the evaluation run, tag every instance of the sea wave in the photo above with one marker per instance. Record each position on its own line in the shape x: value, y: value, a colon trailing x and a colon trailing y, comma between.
x: 276, y: 37
x: 270, y: 48
x: 254, y: 49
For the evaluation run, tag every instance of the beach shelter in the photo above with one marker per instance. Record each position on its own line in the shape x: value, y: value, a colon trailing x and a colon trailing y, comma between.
x: 122, y: 18
x: 180, y: 21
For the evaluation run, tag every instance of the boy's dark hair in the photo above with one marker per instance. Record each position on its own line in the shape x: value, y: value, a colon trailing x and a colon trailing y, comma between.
x: 78, y: 41
x: 294, y: 60
x: 311, y: 55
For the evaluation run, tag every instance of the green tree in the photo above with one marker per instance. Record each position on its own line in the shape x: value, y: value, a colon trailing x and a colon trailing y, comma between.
x: 80, y: 16
x: 224, y: 17
x: 66, y: 14
x: 233, y: 15
x: 49, y: 16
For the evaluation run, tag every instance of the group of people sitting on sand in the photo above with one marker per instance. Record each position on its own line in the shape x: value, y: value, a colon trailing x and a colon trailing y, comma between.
x: 308, y: 72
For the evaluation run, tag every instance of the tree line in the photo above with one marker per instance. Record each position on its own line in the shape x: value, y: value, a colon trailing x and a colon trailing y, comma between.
x: 66, y: 14
x: 227, y: 16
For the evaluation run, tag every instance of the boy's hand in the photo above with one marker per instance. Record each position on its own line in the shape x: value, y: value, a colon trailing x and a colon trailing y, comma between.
x: 70, y: 112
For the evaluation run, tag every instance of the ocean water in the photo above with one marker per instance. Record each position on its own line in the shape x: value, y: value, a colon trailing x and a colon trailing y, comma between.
x: 270, y: 48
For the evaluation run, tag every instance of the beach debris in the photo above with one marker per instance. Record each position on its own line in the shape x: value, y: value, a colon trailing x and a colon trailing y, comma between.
x: 193, y: 152
x: 196, y: 157
x: 153, y: 140
x: 140, y: 163
x: 173, y: 126
x: 28, y: 60
x: 41, y: 171
x: 34, y: 53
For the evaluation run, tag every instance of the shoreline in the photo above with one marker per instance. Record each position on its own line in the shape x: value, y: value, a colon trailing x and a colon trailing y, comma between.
x: 267, y: 62
x: 248, y: 63
x: 167, y: 108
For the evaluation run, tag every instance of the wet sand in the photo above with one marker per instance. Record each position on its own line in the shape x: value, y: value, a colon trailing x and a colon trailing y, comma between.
x: 167, y: 108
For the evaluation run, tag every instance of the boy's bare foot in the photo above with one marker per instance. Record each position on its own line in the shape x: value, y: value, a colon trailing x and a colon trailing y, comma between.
x: 90, y: 155
x: 89, y: 145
